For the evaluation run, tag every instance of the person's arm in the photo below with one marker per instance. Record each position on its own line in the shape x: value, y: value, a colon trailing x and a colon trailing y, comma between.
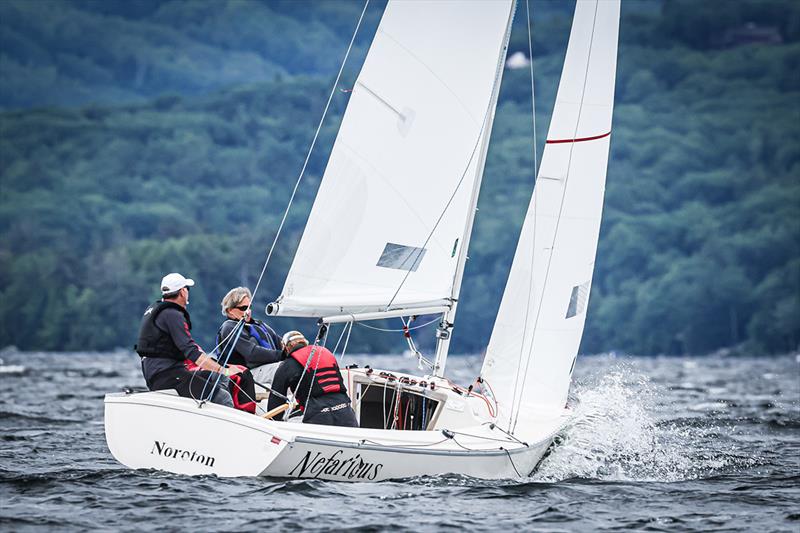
x: 209, y: 363
x: 284, y: 378
x: 173, y: 321
x: 249, y: 349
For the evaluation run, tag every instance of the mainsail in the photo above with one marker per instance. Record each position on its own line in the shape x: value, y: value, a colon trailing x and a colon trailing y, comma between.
x: 387, y: 226
x: 537, y: 333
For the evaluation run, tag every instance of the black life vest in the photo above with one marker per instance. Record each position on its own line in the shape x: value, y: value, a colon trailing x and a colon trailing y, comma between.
x: 327, y: 379
x: 153, y: 341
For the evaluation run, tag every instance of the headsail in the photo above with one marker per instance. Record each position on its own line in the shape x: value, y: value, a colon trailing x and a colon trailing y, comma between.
x: 387, y: 224
x: 539, y: 326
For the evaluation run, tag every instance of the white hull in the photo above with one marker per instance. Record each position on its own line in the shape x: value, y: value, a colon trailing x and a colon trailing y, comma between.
x: 159, y: 430
x: 432, y: 72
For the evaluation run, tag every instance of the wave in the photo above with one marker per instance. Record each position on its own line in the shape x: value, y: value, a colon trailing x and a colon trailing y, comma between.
x: 10, y: 415
x: 615, y: 436
x: 13, y: 370
x: 47, y: 478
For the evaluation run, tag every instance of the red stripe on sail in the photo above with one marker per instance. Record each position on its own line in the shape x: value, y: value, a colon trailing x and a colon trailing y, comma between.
x: 582, y: 139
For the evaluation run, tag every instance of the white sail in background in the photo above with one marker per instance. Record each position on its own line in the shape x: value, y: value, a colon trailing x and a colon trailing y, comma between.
x: 538, y: 330
x: 391, y: 209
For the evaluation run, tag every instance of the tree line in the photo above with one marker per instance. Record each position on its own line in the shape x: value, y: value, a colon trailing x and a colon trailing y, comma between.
x: 699, y: 247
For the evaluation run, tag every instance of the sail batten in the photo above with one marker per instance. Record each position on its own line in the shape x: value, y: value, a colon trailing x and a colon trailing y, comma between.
x: 386, y: 224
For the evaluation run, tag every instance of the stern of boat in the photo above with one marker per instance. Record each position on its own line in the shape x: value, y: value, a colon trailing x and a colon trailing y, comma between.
x: 163, y: 431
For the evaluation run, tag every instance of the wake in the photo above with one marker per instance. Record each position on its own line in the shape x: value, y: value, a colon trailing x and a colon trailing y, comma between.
x: 615, y: 435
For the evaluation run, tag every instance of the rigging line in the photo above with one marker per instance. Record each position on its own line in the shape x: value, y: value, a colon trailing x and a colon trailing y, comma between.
x: 270, y: 390
x: 534, y: 203
x: 533, y: 92
x: 357, y: 403
x: 511, y: 435
x: 346, y: 342
x: 308, y: 362
x: 512, y: 462
x: 308, y: 155
x: 447, y: 205
x: 221, y: 342
x: 336, y: 347
x: 491, y: 393
x: 412, y: 346
x: 398, y: 399
x: 228, y: 336
x: 237, y: 330
x: 563, y: 197
x: 384, y: 406
x: 409, y: 446
x: 244, y: 392
x: 481, y: 437
x: 397, y: 330
x: 316, y: 367
x: 461, y: 445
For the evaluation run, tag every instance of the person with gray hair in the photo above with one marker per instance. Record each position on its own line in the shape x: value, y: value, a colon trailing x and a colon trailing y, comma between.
x: 257, y: 347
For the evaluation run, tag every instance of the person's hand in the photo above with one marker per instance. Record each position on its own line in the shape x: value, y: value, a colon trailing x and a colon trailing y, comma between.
x: 236, y: 369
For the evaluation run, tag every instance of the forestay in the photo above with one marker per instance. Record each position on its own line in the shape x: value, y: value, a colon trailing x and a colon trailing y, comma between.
x: 537, y: 333
x: 392, y: 207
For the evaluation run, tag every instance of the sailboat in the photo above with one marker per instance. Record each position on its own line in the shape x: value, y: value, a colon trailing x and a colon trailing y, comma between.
x: 388, y: 236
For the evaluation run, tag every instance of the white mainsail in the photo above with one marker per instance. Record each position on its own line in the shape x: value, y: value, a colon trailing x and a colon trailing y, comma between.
x: 537, y: 333
x: 387, y: 226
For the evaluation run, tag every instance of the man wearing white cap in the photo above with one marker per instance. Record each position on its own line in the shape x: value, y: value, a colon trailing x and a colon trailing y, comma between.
x: 170, y: 357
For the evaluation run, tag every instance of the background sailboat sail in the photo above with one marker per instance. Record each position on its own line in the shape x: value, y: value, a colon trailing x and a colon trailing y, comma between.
x: 396, y: 194
x: 537, y: 333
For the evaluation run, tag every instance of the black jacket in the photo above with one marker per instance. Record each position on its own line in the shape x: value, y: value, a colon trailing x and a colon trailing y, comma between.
x: 156, y: 340
x: 289, y: 375
x: 165, y: 341
x: 257, y: 345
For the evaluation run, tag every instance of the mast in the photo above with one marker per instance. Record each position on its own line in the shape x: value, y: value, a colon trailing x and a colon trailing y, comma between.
x: 445, y: 329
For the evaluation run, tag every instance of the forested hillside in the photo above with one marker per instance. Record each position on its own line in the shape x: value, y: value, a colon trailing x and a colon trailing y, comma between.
x: 145, y: 137
x: 72, y: 52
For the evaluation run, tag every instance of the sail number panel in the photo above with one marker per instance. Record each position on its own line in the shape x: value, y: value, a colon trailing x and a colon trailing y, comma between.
x: 401, y: 257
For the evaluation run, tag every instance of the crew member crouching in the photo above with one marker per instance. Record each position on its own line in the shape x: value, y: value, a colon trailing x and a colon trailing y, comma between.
x: 313, y: 375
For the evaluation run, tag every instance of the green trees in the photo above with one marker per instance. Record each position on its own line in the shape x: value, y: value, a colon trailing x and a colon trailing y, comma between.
x: 700, y: 244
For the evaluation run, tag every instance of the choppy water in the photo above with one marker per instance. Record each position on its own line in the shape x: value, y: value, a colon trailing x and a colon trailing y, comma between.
x: 674, y: 444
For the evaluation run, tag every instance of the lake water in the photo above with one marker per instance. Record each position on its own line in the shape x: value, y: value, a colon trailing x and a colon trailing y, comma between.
x: 659, y: 444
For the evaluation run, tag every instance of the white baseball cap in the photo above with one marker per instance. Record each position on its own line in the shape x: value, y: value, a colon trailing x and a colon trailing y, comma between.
x: 173, y: 282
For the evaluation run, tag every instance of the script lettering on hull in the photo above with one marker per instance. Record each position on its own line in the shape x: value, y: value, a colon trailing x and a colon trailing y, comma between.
x: 336, y: 464
x: 162, y: 449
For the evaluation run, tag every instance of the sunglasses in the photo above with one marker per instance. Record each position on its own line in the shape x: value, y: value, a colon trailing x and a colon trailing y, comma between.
x: 242, y: 307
